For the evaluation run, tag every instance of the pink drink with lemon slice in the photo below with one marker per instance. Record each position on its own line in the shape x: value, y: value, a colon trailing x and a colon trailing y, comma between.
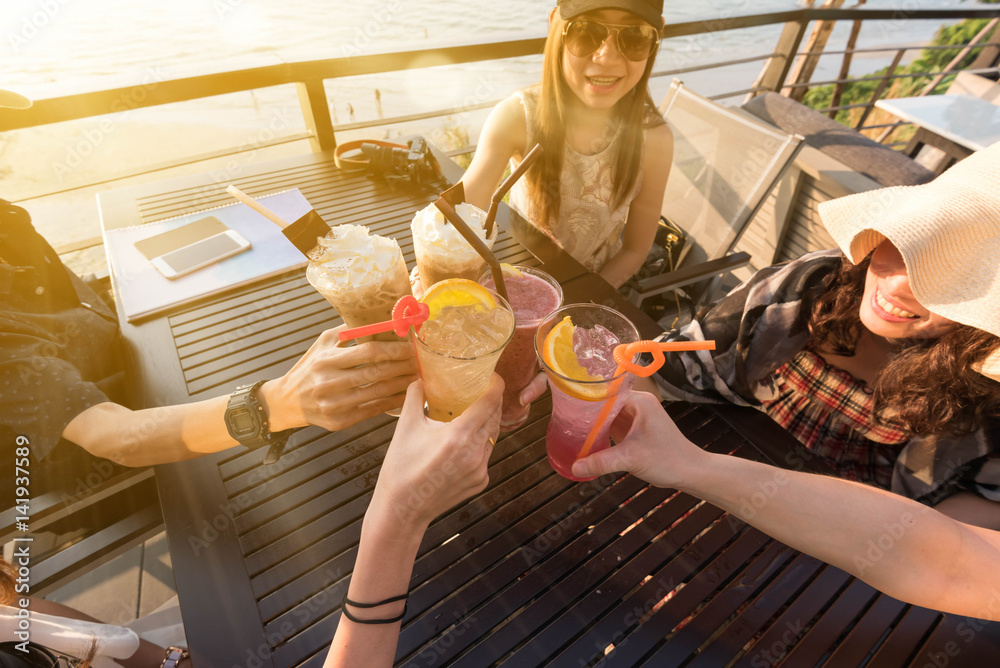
x: 575, y: 345
x: 571, y: 421
x: 533, y: 294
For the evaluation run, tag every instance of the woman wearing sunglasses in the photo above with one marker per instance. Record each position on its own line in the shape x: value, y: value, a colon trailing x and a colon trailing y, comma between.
x: 597, y: 188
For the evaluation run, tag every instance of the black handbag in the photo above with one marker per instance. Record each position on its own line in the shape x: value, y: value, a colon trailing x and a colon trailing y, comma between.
x: 664, y: 256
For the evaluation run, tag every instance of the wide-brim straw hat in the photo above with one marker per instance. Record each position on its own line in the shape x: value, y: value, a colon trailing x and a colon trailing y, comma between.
x: 948, y: 232
x: 13, y: 100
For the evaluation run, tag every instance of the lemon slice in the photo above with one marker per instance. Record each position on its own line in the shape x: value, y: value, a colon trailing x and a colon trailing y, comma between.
x: 456, y: 292
x: 558, y: 354
x: 510, y: 270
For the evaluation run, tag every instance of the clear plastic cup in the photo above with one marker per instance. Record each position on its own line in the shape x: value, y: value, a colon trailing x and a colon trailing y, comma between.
x: 453, y: 379
x: 364, y: 296
x: 533, y: 296
x: 440, y: 249
x: 576, y: 405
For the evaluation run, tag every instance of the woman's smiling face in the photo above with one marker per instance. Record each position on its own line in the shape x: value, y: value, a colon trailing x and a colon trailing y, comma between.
x: 888, y: 307
x: 603, y: 78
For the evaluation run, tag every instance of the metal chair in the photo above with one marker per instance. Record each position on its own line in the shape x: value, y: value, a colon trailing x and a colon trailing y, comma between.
x: 724, y: 167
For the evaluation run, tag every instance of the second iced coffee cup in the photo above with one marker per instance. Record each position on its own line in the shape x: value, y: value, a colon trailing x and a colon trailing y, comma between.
x: 441, y: 250
x: 362, y: 275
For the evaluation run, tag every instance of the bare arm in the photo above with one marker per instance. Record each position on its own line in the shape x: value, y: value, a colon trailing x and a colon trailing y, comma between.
x: 503, y: 137
x: 330, y: 386
x: 644, y: 212
x: 971, y: 509
x: 895, y: 544
x: 449, y: 459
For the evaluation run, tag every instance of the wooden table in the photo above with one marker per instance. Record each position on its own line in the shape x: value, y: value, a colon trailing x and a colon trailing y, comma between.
x: 536, y: 570
x: 959, y: 125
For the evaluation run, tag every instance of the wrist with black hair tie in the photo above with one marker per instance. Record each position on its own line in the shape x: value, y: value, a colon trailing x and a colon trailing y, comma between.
x: 346, y: 602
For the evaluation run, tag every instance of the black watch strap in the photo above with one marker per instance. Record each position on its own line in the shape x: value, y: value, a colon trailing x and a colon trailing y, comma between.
x: 247, y: 422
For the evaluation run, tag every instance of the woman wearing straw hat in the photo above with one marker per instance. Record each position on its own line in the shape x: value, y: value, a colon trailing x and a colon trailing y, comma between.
x: 884, y: 361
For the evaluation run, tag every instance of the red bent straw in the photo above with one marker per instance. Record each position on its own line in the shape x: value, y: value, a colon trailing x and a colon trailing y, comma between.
x: 624, y: 353
x: 407, y: 311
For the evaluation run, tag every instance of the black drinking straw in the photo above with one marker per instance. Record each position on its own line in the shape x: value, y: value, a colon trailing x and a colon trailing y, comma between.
x: 455, y: 195
x: 507, y: 185
x: 448, y: 211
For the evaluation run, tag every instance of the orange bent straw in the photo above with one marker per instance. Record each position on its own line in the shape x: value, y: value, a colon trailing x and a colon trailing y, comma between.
x: 624, y: 353
x: 407, y: 311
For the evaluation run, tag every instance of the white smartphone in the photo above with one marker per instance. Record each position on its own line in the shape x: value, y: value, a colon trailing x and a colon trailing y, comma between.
x: 200, y: 254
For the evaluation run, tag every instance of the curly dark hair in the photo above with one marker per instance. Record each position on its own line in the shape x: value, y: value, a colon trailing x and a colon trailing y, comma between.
x: 929, y: 385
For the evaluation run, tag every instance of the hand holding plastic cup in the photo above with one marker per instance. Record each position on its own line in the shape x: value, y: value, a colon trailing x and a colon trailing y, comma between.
x: 407, y: 313
x: 590, y: 355
x: 624, y: 355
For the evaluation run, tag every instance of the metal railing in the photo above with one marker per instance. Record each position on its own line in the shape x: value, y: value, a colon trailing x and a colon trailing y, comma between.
x: 309, y: 76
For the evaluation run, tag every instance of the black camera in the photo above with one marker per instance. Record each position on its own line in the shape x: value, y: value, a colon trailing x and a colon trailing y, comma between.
x: 415, y: 163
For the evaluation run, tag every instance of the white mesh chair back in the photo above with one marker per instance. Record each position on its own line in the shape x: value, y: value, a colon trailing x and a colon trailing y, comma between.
x: 724, y: 167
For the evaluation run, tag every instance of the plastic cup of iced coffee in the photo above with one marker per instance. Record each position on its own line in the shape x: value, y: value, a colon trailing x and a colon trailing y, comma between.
x: 442, y: 252
x: 361, y: 274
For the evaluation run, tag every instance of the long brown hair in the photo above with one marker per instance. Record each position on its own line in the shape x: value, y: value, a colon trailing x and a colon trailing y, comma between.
x: 929, y: 385
x: 636, y: 112
x: 8, y: 575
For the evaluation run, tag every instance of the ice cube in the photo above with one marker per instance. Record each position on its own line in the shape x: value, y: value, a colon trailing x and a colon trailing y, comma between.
x: 595, y: 349
x: 467, y: 331
x: 491, y: 327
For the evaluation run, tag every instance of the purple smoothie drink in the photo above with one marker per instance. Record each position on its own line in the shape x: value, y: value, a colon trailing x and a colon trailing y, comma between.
x: 533, y: 295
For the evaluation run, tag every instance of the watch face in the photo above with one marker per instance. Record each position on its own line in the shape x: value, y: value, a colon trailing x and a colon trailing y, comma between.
x: 243, y: 424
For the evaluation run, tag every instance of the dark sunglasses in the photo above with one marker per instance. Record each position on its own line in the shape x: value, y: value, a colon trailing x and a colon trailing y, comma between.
x: 635, y: 42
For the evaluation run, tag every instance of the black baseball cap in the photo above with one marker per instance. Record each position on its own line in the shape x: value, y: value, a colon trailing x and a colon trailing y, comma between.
x: 650, y: 11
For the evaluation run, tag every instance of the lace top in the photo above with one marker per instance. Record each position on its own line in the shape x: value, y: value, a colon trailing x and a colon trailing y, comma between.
x: 829, y: 411
x: 589, y: 228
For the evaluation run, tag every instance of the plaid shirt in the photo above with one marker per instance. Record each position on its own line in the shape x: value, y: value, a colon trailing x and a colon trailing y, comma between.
x: 760, y: 328
x: 829, y: 411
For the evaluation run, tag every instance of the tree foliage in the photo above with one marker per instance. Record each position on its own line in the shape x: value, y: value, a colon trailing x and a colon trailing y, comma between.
x: 929, y: 61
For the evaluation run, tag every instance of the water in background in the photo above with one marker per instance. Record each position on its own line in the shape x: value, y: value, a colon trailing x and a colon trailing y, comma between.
x: 51, y: 47
x: 56, y: 47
